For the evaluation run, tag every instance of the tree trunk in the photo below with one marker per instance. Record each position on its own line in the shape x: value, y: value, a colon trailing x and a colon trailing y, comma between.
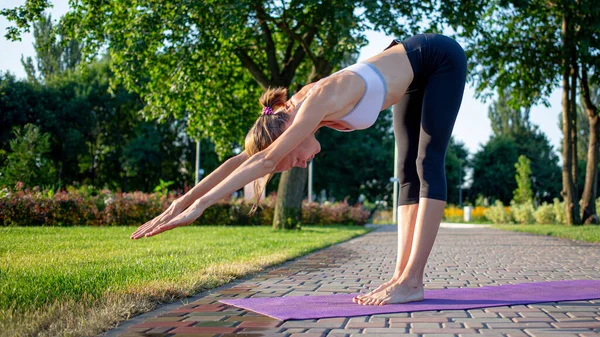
x: 588, y: 200
x: 288, y: 208
x: 568, y: 189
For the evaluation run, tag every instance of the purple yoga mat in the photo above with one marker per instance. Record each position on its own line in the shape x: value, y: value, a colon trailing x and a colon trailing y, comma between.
x: 309, y: 307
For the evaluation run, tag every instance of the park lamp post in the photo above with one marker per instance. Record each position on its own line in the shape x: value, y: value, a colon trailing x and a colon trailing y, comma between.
x: 310, y: 180
x: 199, y: 171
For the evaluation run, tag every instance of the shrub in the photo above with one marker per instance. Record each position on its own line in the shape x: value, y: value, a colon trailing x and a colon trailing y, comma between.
x: 559, y: 211
x: 545, y: 214
x: 89, y: 207
x: 498, y: 214
x: 453, y: 214
x: 478, y: 214
x: 523, y: 213
x: 383, y: 216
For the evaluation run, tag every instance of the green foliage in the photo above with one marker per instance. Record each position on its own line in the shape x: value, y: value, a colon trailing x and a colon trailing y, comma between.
x: 522, y: 194
x: 28, y: 162
x: 559, y: 211
x: 212, y: 58
x: 53, y: 56
x: 545, y: 214
x: 98, y: 137
x: 523, y: 213
x: 162, y: 189
x: 480, y: 201
x: 531, y: 71
x: 498, y: 214
x: 589, y: 233
x: 506, y: 120
x: 494, y: 171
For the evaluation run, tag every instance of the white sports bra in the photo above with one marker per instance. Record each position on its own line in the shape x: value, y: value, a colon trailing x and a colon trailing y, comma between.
x: 365, y: 112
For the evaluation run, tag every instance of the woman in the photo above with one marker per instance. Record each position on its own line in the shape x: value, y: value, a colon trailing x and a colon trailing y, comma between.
x: 423, y: 77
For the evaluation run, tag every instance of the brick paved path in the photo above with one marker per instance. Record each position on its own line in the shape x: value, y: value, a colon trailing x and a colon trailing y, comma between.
x: 460, y: 258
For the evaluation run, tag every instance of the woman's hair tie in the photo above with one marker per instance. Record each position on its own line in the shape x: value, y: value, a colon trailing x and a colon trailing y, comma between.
x: 267, y: 110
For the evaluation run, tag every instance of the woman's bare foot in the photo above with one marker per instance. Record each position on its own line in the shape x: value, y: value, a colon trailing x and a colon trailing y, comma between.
x: 399, y: 292
x: 378, y: 289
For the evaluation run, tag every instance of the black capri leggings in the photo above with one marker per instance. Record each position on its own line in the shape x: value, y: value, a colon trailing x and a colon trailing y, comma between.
x: 425, y: 116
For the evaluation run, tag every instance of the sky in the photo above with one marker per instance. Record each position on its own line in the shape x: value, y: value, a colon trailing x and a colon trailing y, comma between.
x: 472, y: 125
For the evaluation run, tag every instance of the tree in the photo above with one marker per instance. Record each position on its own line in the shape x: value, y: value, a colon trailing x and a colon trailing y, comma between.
x: 549, y: 42
x: 523, y: 193
x: 53, y: 56
x: 28, y: 162
x: 583, y: 130
x: 590, y: 98
x: 506, y: 120
x: 493, y: 170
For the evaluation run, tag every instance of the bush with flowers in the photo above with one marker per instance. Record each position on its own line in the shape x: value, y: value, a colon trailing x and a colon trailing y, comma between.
x: 87, y: 206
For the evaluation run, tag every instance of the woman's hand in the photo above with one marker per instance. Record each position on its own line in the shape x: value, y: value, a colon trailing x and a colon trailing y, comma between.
x: 185, y: 218
x: 170, y: 213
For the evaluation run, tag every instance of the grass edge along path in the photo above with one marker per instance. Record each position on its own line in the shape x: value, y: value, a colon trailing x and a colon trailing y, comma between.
x: 85, y: 314
x: 587, y: 233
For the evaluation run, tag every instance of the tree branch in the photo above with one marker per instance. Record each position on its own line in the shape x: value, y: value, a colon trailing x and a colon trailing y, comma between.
x: 302, y: 50
x: 585, y: 89
x: 268, y: 36
x: 249, y: 64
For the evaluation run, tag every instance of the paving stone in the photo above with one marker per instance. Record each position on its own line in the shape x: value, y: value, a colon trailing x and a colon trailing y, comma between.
x: 588, y: 324
x: 166, y: 319
x: 383, y: 335
x: 204, y: 330
x: 344, y: 331
x: 507, y: 332
x: 397, y: 331
x: 518, y: 325
x: 162, y: 331
x: 555, y: 332
x: 439, y: 319
x: 442, y: 331
x: 247, y: 335
x: 363, y: 325
x: 260, y: 330
x: 425, y: 325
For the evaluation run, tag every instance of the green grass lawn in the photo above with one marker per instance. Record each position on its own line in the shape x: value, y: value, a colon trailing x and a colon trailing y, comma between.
x: 589, y: 233
x: 62, y: 274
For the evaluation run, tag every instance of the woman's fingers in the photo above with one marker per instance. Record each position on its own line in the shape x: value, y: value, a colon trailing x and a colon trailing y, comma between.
x: 185, y: 218
x: 150, y: 225
x: 161, y: 229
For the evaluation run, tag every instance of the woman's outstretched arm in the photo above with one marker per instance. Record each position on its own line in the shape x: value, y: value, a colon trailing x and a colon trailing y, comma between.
x: 215, y: 177
x: 183, y: 202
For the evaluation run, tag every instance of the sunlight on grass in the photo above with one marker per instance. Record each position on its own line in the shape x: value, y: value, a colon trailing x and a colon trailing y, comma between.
x: 589, y: 233
x: 80, y: 269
